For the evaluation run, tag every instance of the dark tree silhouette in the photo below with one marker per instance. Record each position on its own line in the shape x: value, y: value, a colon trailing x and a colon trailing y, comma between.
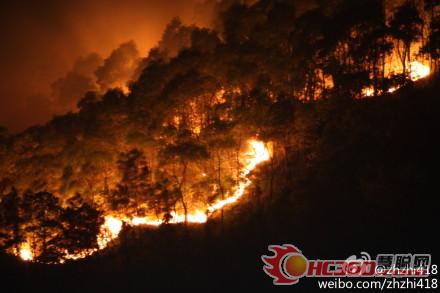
x: 10, y: 220
x: 406, y: 28
x: 80, y: 224
x: 181, y: 154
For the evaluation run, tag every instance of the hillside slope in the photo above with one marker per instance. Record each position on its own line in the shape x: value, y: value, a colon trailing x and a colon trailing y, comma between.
x: 365, y: 181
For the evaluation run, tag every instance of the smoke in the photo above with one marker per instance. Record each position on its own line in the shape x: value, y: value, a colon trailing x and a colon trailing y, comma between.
x: 175, y: 37
x: 67, y: 90
x: 93, y: 73
x: 119, y: 67
x: 41, y: 40
x: 124, y: 64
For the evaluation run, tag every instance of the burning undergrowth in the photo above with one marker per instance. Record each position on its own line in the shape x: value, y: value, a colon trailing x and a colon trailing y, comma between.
x: 49, y: 233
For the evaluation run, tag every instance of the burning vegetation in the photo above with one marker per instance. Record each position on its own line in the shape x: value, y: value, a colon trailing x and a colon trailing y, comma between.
x: 59, y: 223
x: 202, y: 111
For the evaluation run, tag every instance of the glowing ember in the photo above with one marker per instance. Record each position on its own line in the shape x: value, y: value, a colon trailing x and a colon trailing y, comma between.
x: 113, y: 225
x: 109, y: 231
x: 197, y: 217
x: 25, y: 252
x: 258, y: 154
x: 368, y: 91
x: 136, y: 221
x: 125, y: 90
x: 392, y: 89
x: 418, y: 70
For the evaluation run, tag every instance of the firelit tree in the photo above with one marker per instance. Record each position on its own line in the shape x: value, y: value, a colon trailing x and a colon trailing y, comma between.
x: 80, y: 225
x: 177, y: 157
x: 163, y: 198
x: 221, y: 144
x: 354, y: 46
x: 368, y: 42
x: 309, y: 46
x: 432, y: 46
x: 10, y: 220
x: 406, y: 28
x: 135, y: 186
x: 175, y: 38
x: 42, y: 225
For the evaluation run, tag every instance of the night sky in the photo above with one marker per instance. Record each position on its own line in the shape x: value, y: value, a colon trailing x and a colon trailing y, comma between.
x: 42, y: 39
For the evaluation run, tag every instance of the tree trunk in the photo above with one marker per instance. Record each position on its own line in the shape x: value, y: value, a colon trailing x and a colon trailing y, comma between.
x: 181, y: 195
x: 220, y: 185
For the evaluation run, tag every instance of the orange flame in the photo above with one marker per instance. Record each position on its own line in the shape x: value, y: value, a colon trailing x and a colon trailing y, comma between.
x: 257, y: 153
x: 417, y: 71
x: 25, y: 252
x: 109, y: 231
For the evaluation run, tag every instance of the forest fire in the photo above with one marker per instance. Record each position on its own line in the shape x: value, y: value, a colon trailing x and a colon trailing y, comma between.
x: 109, y: 231
x: 25, y: 252
x: 256, y: 153
x: 170, y: 162
x: 417, y: 71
